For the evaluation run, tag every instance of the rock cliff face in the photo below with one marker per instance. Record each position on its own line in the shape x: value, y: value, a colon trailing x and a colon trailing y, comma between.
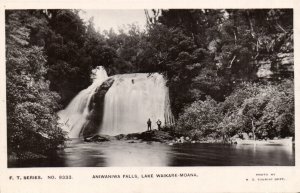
x: 96, y: 106
x: 282, y: 66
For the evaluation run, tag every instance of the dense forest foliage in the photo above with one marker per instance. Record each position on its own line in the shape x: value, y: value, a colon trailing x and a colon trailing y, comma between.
x: 31, y: 105
x: 228, y: 71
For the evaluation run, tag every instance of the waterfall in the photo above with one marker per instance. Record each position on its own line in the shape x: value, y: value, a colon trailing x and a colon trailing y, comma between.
x: 130, y: 101
x: 74, y: 116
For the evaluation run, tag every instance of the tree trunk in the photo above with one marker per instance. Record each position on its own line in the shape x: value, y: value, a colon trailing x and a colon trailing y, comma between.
x: 250, y: 24
x: 253, y: 130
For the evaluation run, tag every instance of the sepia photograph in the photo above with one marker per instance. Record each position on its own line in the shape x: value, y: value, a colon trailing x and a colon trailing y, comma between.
x: 149, y: 87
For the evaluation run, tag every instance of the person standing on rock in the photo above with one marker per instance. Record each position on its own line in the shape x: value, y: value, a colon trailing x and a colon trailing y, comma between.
x: 158, y: 124
x: 149, y: 125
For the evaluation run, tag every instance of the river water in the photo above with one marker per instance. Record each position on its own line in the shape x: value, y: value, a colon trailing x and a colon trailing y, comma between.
x: 136, y: 153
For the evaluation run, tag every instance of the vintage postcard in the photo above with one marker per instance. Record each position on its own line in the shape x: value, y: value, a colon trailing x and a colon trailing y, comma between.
x: 128, y: 96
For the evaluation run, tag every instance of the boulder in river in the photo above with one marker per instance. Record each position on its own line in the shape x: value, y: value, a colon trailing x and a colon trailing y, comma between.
x: 96, y: 138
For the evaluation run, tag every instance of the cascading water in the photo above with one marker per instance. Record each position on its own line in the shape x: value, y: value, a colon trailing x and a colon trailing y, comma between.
x: 130, y: 101
x: 74, y: 116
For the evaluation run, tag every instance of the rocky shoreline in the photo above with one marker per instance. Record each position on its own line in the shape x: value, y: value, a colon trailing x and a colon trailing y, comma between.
x: 153, y: 135
x: 171, y: 138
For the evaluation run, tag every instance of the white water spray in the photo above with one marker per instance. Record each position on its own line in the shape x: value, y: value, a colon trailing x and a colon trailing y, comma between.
x: 74, y: 116
x: 128, y: 104
x: 132, y: 100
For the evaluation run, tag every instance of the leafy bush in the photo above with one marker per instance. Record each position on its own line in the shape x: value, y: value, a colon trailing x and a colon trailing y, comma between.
x: 200, y: 119
x: 267, y: 110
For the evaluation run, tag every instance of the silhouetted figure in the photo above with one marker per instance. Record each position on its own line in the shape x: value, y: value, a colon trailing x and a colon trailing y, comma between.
x: 158, y: 124
x: 132, y: 81
x: 149, y: 125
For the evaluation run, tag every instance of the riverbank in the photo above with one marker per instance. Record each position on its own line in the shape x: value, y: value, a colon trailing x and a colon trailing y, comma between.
x: 153, y: 135
x: 172, y: 138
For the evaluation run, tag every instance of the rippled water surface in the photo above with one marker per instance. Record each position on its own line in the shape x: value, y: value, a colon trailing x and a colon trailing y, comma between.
x: 126, y: 153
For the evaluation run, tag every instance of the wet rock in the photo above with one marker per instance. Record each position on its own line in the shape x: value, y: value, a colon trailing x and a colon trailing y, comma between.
x: 120, y: 137
x: 96, y: 107
x: 96, y: 138
x: 133, y: 136
x: 156, y: 135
